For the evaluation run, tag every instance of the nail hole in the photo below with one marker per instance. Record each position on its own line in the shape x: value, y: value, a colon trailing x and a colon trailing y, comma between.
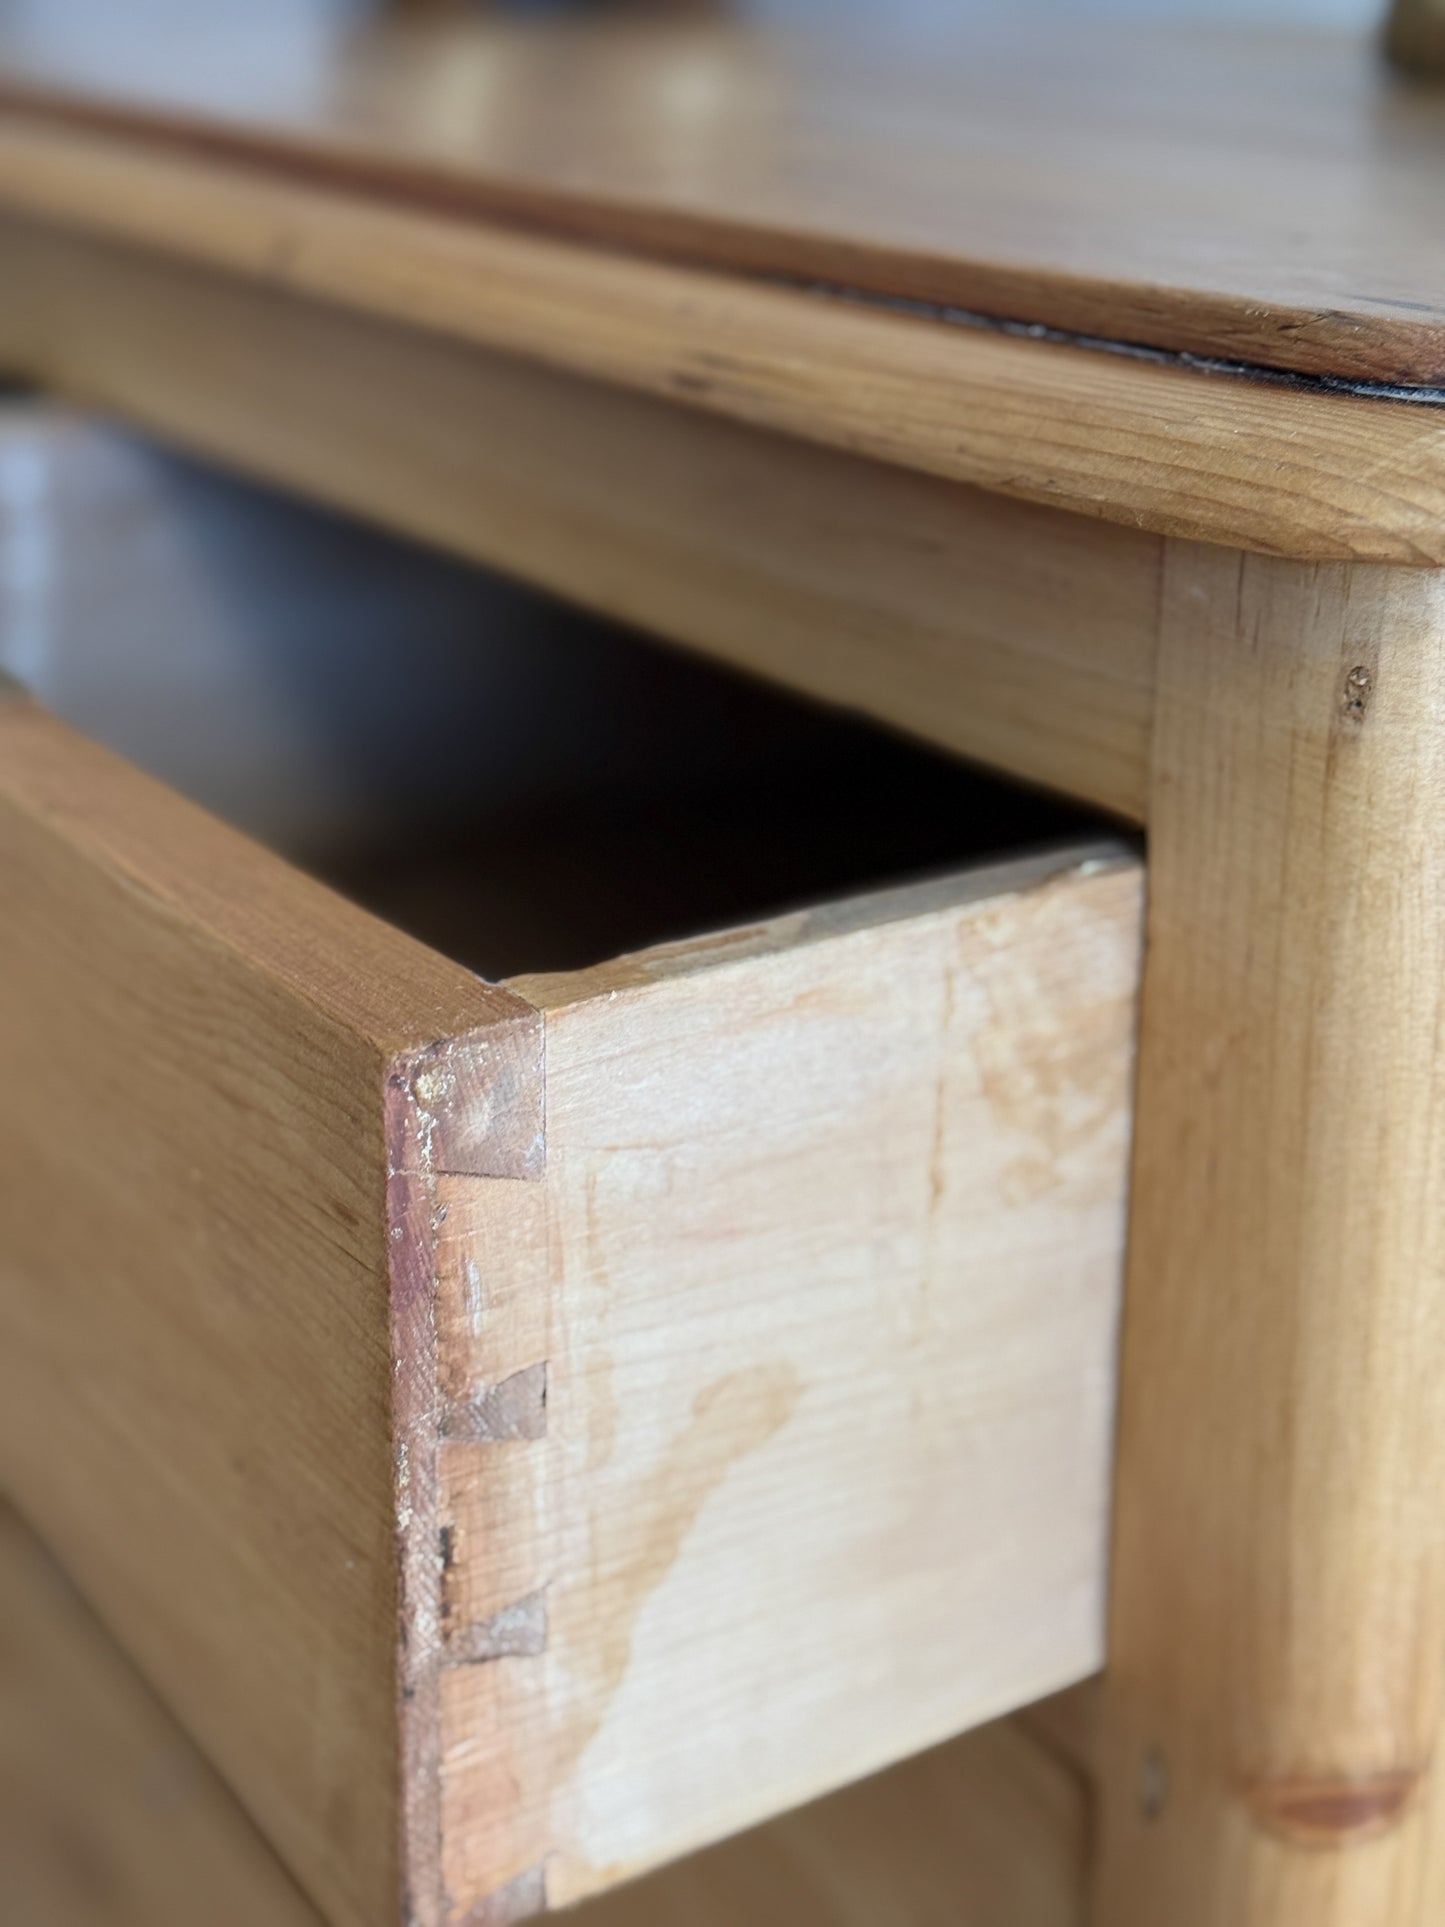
x: 1358, y: 687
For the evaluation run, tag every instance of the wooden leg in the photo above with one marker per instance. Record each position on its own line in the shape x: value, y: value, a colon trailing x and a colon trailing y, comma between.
x: 1278, y: 1607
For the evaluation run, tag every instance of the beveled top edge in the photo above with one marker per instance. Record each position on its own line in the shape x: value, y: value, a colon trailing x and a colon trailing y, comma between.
x: 1145, y: 441
x: 1267, y: 197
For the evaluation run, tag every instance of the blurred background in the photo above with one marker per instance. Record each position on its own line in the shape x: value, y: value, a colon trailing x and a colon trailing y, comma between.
x: 290, y: 14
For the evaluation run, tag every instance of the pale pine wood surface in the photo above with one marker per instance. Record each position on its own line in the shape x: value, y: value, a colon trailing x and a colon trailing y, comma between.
x: 1016, y: 635
x: 111, y: 1817
x: 1161, y: 447
x: 1265, y: 196
x: 863, y: 1162
x: 297, y: 1204
x: 1278, y: 1585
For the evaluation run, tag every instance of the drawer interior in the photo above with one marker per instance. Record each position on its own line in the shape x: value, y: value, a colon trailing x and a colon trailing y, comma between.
x: 566, y: 884
x: 560, y: 1424
x: 521, y: 786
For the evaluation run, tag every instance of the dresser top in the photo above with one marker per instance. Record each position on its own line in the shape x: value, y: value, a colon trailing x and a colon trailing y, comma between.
x: 1271, y: 199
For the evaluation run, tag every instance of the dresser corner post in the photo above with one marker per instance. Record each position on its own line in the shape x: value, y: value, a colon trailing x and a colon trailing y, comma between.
x: 1278, y: 1568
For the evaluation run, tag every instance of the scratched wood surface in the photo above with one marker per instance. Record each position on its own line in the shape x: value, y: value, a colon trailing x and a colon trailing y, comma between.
x: 1266, y: 196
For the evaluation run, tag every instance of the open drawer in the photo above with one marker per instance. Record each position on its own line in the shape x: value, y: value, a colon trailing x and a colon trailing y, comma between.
x: 527, y: 1431
x: 110, y: 1817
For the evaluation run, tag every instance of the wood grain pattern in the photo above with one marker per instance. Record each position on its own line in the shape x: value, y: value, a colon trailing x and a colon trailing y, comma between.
x: 206, y: 629
x: 462, y: 1485
x: 110, y: 1817
x: 1279, y: 1586
x: 1270, y: 197
x: 195, y: 1353
x: 818, y: 1282
x: 1019, y: 636
x: 989, y: 1831
x: 1161, y: 447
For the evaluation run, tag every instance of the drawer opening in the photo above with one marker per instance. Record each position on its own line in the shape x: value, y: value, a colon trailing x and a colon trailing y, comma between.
x: 520, y: 785
x: 633, y: 1397
x: 826, y: 808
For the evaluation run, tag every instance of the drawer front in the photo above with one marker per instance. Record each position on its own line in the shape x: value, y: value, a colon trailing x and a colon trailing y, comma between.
x: 718, y: 1344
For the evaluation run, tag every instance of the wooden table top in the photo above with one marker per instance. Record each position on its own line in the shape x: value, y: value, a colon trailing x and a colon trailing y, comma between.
x: 774, y: 229
x: 1273, y: 199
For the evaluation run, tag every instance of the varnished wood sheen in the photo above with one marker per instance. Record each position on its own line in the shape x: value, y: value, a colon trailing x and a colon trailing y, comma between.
x: 1270, y: 197
x: 1156, y: 447
x: 1017, y: 635
x: 1275, y: 1702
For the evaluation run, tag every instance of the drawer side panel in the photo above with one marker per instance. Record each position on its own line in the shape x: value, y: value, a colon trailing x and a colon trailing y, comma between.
x: 195, y: 1346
